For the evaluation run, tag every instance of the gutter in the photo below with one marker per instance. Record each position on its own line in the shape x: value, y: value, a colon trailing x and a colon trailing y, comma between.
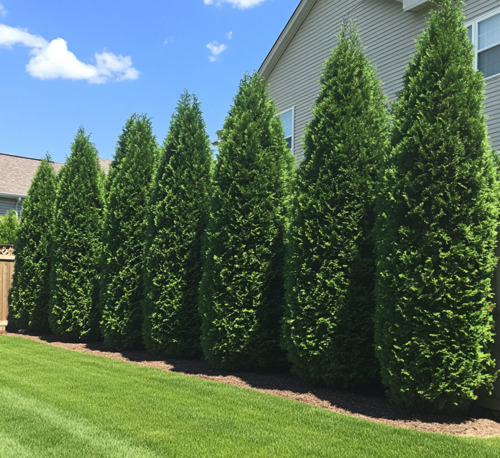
x: 12, y: 196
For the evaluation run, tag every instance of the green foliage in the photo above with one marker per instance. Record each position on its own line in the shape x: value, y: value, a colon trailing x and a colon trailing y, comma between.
x: 9, y: 226
x: 178, y: 219
x: 436, y: 228
x: 76, y: 248
x: 328, y: 326
x: 242, y: 292
x: 31, y: 285
x: 127, y: 210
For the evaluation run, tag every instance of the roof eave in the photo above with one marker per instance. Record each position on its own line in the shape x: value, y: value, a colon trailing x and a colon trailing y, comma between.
x: 7, y: 195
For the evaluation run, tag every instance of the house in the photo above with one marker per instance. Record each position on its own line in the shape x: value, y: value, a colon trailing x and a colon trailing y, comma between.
x: 388, y: 29
x: 16, y: 175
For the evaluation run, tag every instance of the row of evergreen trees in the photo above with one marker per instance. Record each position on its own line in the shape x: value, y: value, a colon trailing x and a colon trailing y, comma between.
x: 374, y: 259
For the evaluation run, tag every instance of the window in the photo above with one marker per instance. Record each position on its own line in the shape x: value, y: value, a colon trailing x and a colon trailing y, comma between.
x: 287, y: 120
x: 485, y: 35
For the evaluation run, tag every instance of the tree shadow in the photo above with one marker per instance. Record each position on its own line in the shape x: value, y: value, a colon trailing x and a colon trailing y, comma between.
x: 368, y: 402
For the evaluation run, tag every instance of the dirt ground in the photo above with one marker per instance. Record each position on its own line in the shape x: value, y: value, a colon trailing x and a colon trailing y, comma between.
x: 369, y: 405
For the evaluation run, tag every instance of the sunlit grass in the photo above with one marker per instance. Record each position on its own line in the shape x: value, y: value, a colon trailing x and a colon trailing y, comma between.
x: 58, y: 403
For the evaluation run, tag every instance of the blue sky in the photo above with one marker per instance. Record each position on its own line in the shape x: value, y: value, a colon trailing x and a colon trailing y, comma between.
x: 65, y: 64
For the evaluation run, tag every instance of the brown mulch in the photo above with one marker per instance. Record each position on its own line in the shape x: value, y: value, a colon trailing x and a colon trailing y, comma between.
x: 371, y: 406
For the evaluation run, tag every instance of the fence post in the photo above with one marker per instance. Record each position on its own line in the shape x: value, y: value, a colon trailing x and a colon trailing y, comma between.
x: 7, y: 260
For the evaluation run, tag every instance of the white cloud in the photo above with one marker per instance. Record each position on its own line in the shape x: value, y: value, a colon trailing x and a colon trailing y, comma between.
x: 243, y: 4
x: 3, y: 11
x: 9, y: 36
x: 216, y: 49
x: 53, y: 60
x: 229, y: 35
x: 118, y: 67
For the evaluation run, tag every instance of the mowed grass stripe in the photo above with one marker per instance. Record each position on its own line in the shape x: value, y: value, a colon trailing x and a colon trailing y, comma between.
x: 56, y: 402
x: 47, y: 419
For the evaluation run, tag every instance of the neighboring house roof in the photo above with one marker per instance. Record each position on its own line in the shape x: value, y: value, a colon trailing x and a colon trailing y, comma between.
x: 17, y: 173
x: 105, y: 164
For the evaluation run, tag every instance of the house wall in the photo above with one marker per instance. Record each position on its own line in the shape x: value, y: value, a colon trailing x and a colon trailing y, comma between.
x: 7, y: 204
x: 388, y: 33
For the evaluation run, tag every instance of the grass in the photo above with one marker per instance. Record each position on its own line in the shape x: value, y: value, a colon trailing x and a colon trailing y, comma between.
x: 58, y: 403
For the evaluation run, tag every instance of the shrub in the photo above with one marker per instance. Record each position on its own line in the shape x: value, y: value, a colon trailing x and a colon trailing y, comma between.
x: 77, y: 244
x: 9, y: 226
x: 242, y: 292
x: 179, y: 214
x: 124, y: 237
x: 437, y: 226
x: 328, y: 329
x: 31, y: 284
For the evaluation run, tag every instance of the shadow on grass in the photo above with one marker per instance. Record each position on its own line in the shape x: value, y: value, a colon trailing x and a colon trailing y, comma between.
x: 368, y: 402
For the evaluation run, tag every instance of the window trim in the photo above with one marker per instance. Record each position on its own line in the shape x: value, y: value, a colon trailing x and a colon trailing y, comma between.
x: 293, y: 125
x: 475, y: 30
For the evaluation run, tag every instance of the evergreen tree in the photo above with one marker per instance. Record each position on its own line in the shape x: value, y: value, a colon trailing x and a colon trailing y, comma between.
x: 124, y: 237
x: 242, y: 292
x: 76, y: 246
x: 328, y: 329
x: 436, y: 227
x: 31, y: 284
x: 179, y: 214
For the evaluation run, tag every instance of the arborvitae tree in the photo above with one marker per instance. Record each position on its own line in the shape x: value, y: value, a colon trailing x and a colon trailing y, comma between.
x: 124, y: 237
x: 436, y: 227
x: 178, y: 219
x: 31, y: 284
x: 242, y: 292
x: 328, y: 326
x: 76, y: 246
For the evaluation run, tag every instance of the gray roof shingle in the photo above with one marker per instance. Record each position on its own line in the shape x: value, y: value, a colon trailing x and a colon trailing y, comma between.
x: 17, y: 172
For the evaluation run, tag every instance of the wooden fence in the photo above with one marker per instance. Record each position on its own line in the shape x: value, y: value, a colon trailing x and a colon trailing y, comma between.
x: 7, y: 260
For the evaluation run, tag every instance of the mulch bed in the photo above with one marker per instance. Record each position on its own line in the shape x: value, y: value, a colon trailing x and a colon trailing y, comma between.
x: 367, y: 405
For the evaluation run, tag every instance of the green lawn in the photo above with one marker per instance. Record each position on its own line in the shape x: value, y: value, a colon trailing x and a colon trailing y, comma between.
x: 59, y: 403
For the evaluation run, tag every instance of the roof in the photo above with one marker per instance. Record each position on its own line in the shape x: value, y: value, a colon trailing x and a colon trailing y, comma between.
x: 17, y: 173
x: 105, y: 164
